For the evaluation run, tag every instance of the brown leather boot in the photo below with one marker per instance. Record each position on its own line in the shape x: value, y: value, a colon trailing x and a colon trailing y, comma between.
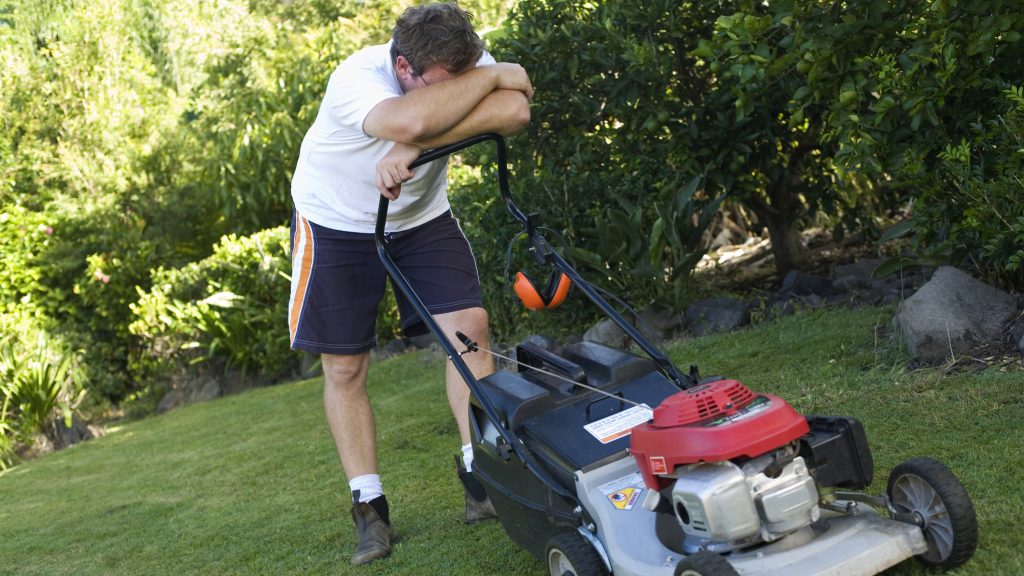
x: 478, y: 504
x: 375, y: 534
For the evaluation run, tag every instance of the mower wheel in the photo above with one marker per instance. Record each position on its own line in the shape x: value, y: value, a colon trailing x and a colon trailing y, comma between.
x: 705, y: 564
x: 930, y: 491
x: 569, y: 554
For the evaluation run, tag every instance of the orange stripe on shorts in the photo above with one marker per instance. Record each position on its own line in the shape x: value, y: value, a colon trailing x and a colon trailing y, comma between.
x: 302, y: 267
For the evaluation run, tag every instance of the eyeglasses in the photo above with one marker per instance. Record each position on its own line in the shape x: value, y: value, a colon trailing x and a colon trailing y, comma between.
x: 416, y: 74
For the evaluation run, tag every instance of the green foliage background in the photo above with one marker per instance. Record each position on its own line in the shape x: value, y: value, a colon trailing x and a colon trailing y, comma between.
x: 146, y: 152
x: 135, y: 135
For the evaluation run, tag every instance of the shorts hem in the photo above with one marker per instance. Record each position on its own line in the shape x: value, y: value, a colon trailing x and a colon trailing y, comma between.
x: 337, y: 349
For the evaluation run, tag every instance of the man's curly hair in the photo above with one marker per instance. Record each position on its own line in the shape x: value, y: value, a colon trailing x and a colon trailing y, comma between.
x: 436, y: 34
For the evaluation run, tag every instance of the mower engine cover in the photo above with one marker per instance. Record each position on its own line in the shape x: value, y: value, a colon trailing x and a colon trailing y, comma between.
x: 713, y: 422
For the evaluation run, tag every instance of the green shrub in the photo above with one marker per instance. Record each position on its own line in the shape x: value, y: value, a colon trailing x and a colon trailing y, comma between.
x: 23, y: 236
x: 91, y: 95
x: 39, y: 381
x: 974, y: 211
x: 229, y: 308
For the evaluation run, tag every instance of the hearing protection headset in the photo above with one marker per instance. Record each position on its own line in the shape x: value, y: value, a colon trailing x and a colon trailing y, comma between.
x: 558, y: 283
x: 551, y: 297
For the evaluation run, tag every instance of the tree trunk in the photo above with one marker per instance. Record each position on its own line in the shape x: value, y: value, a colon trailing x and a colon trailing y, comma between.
x: 781, y: 215
x: 787, y: 248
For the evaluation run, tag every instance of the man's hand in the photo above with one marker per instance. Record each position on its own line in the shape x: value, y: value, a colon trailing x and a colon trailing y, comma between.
x: 512, y: 76
x: 393, y: 169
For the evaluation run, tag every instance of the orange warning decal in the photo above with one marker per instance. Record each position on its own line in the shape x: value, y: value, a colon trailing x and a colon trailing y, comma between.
x: 658, y: 465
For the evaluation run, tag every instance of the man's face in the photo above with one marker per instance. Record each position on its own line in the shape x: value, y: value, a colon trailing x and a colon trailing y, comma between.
x: 411, y: 79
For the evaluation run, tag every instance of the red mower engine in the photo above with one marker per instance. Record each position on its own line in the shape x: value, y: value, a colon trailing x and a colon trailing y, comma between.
x: 728, y: 462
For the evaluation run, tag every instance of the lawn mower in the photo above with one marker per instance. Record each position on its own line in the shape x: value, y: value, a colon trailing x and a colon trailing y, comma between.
x: 601, y: 461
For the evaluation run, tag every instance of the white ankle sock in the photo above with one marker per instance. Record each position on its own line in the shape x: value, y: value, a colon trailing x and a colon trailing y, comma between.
x: 369, y: 486
x: 467, y: 457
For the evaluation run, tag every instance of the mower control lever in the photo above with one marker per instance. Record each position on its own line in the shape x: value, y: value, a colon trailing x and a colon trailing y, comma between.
x: 471, y: 345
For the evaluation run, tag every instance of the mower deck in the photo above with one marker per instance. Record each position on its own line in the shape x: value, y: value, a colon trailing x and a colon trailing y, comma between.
x: 862, y: 543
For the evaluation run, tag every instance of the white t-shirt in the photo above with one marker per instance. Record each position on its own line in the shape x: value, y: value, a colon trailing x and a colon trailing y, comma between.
x: 335, y: 179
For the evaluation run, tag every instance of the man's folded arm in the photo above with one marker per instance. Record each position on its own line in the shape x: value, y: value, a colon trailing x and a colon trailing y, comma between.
x: 486, y: 99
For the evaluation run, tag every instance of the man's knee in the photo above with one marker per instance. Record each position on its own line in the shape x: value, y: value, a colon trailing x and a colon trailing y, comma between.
x: 346, y: 373
x: 471, y: 321
x: 477, y: 318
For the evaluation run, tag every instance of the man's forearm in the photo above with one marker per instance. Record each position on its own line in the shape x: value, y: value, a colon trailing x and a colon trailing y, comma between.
x: 431, y: 110
x: 502, y: 111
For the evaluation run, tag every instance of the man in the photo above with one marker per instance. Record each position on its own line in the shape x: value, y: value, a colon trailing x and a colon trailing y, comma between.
x: 432, y: 85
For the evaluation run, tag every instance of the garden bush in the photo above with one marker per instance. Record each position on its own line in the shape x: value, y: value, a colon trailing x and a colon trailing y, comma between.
x: 24, y: 235
x: 807, y: 113
x: 230, y: 309
x: 974, y: 211
x: 39, y: 380
x: 135, y: 134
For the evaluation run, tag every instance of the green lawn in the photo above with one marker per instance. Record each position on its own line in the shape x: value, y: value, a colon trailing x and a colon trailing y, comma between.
x: 250, y: 484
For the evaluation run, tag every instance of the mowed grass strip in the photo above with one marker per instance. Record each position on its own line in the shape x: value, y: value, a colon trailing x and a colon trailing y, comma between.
x: 250, y: 484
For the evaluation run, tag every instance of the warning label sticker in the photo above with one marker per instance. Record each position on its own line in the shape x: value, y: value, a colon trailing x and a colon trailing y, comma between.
x: 658, y: 465
x: 625, y: 492
x: 618, y: 425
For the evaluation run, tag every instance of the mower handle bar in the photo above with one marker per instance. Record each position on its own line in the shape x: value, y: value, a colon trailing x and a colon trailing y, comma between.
x: 436, y: 153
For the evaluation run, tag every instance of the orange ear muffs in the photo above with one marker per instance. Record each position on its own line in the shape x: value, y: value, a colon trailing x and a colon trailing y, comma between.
x: 552, y: 297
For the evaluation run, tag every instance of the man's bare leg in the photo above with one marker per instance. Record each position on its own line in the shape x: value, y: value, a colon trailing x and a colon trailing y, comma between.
x: 473, y: 323
x: 349, y: 414
x: 350, y: 418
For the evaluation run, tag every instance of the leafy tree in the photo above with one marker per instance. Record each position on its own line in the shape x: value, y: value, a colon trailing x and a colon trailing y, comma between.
x: 883, y: 89
x: 805, y: 112
x: 637, y: 100
x: 977, y: 210
x: 770, y: 157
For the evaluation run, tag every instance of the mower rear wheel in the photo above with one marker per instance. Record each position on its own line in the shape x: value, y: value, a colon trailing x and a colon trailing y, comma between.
x: 705, y: 564
x: 929, y: 490
x: 569, y: 554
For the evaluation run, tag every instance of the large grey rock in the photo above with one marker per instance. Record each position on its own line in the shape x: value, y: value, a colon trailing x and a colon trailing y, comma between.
x: 61, y: 435
x: 802, y: 284
x: 608, y: 333
x: 952, y: 314
x: 200, y: 388
x: 422, y: 341
x: 174, y: 398
x: 717, y: 315
x: 205, y: 389
x: 391, y: 349
x: 1017, y: 334
x: 858, y: 275
x: 659, y: 325
x: 541, y: 340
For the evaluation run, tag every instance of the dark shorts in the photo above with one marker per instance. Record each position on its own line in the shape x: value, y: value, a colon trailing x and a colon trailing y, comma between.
x: 338, y: 281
